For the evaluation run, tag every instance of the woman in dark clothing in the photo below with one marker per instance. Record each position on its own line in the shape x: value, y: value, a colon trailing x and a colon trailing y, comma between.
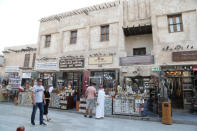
x: 47, y: 98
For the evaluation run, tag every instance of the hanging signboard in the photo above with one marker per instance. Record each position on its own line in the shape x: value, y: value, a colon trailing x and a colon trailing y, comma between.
x: 47, y: 66
x: 100, y: 60
x: 71, y: 63
x: 184, y: 56
x: 26, y: 75
x: 11, y: 68
x: 136, y: 60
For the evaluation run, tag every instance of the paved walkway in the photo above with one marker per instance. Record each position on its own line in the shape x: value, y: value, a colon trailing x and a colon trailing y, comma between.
x: 12, y: 116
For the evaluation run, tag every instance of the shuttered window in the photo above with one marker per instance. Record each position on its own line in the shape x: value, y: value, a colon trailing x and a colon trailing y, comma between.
x: 47, y: 41
x: 139, y: 51
x: 105, y: 33
x: 34, y: 59
x: 73, y: 37
x: 175, y: 23
x: 26, y: 61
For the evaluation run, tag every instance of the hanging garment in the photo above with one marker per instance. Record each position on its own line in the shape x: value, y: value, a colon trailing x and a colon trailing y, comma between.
x: 100, y: 106
x: 179, y: 87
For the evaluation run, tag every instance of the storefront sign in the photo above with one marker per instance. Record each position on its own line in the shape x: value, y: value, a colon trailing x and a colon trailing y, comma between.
x: 71, y: 63
x: 11, y: 68
x: 47, y: 66
x: 136, y: 60
x: 184, y: 56
x: 194, y: 69
x: 26, y: 75
x: 100, y: 60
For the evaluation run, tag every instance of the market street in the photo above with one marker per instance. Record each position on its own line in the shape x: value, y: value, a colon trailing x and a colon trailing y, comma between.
x: 12, y: 116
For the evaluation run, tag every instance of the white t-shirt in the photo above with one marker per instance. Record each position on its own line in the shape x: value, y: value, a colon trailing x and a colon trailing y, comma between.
x: 38, y: 93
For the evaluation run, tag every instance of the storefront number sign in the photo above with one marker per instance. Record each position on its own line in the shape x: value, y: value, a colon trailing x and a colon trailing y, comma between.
x: 100, y: 60
x: 71, y: 63
x: 155, y: 68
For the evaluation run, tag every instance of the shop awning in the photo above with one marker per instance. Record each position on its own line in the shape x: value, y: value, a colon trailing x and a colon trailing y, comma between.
x: 137, y: 30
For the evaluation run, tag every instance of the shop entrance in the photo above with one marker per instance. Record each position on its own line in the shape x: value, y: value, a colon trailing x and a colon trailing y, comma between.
x: 105, y: 78
x: 74, y: 79
x: 176, y: 92
x: 181, y: 85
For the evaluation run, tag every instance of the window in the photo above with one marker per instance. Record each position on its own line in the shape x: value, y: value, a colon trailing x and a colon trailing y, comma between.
x: 34, y: 58
x: 175, y: 23
x: 27, y: 58
x: 139, y: 51
x: 105, y: 33
x: 47, y: 41
x: 73, y: 37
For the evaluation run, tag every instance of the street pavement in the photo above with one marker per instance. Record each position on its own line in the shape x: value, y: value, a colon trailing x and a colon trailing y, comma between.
x: 12, y: 116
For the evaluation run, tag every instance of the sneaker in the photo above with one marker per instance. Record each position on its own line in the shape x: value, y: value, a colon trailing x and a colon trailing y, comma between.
x: 85, y: 115
x: 33, y: 123
x: 44, y: 124
x: 90, y: 116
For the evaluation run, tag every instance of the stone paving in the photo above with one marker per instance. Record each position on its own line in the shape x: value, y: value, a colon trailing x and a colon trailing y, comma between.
x: 12, y: 116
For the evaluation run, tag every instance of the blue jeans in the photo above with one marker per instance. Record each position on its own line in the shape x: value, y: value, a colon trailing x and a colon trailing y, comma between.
x: 41, y: 108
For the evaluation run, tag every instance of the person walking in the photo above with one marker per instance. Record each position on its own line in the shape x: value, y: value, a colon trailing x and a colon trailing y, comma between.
x: 90, y: 99
x: 46, y: 105
x: 100, y: 103
x: 37, y: 99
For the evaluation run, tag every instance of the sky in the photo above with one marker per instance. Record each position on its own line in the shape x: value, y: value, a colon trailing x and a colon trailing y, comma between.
x: 19, y: 19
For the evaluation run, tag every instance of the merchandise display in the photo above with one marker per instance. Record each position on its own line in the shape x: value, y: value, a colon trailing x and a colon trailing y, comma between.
x: 108, y: 105
x: 82, y: 105
x: 55, y: 99
x: 25, y: 98
x: 67, y: 99
x: 130, y: 99
x: 14, y: 80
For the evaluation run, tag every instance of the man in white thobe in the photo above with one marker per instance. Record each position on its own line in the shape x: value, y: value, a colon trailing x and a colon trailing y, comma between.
x: 100, y: 104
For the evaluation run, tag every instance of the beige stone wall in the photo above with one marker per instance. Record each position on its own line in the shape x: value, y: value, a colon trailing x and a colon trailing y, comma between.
x: 128, y: 13
x: 162, y: 38
x: 88, y: 35
x: 137, y: 12
x: 17, y: 58
x: 139, y: 41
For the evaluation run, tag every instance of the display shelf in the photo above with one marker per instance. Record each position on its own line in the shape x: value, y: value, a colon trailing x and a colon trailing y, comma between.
x: 187, y: 89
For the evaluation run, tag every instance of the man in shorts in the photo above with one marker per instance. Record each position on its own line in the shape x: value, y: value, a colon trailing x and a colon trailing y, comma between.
x: 90, y: 99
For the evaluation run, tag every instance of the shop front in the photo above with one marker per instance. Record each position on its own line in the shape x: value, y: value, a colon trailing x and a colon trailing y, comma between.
x: 138, y: 92
x: 47, y: 71
x: 70, y: 80
x: 14, y: 82
x: 181, y: 80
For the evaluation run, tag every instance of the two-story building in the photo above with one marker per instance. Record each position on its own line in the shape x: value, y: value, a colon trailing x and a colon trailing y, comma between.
x: 19, y: 63
x: 113, y: 42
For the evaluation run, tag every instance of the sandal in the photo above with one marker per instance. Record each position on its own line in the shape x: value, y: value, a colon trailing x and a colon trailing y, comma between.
x: 49, y: 119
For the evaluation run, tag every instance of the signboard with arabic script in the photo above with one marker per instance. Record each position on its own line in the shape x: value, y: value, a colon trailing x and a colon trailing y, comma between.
x: 71, y: 63
x: 100, y: 60
x: 184, y: 56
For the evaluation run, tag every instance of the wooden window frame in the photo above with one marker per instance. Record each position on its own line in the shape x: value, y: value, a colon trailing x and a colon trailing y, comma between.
x: 34, y: 59
x: 27, y: 60
x: 175, y: 23
x: 47, y: 41
x: 73, y: 38
x: 137, y: 49
x: 105, y: 34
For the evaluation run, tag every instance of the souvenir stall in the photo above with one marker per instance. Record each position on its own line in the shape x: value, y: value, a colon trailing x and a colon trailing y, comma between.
x: 25, y: 96
x: 181, y: 85
x: 133, y: 98
x: 14, y: 83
